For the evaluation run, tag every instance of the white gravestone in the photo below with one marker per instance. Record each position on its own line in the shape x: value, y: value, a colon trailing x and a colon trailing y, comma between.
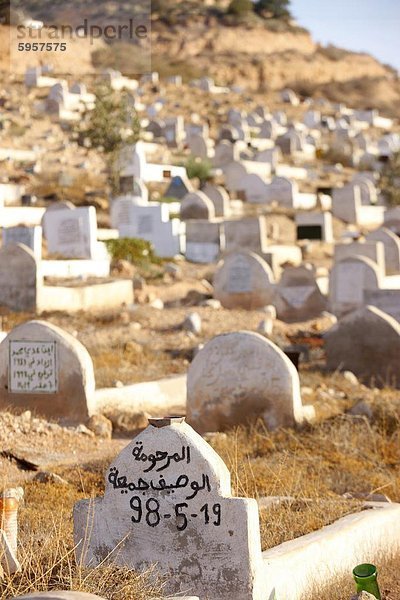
x: 349, y: 279
x: 238, y: 377
x: 244, y: 280
x: 168, y: 503
x: 391, y: 243
x: 72, y: 233
x: 45, y: 369
x: 33, y: 367
x: 29, y: 236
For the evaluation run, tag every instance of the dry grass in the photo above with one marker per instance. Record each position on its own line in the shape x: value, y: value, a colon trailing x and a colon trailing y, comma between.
x: 47, y: 550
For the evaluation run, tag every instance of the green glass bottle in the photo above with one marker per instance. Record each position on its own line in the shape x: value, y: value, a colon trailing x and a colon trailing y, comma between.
x: 365, y: 576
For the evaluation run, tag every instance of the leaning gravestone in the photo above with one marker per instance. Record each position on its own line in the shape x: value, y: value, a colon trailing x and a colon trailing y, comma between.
x: 241, y: 376
x: 168, y: 503
x: 367, y: 343
x: 244, y: 280
x: 20, y: 281
x: 45, y: 369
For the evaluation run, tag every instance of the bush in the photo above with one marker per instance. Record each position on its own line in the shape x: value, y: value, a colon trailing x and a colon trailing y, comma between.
x: 275, y: 9
x: 390, y: 180
x: 136, y: 251
x: 195, y: 167
x: 239, y: 8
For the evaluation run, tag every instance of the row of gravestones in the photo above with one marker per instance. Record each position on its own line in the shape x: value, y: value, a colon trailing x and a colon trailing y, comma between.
x: 235, y: 377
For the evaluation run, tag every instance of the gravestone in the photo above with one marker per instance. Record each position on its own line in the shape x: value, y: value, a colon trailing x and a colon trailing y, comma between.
x: 121, y: 213
x: 387, y: 300
x: 61, y: 205
x: 168, y: 503
x: 203, y: 241
x: 45, y: 369
x: 197, y: 205
x: 20, y: 280
x: 349, y: 280
x: 225, y: 153
x: 72, y: 233
x: 374, y: 250
x: 282, y: 190
x: 29, y: 236
x: 244, y: 280
x: 314, y: 226
x: 238, y: 377
x: 298, y: 296
x: 178, y: 188
x: 246, y: 234
x: 219, y: 197
x: 391, y: 244
x: 367, y: 343
x: 132, y: 161
x: 131, y: 186
x: 255, y: 189
x: 234, y: 174
x: 345, y: 202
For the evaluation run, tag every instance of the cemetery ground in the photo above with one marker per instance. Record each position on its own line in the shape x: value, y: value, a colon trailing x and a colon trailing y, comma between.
x: 314, y: 475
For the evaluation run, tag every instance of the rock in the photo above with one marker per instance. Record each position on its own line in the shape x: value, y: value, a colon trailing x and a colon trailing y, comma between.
x: 122, y: 268
x: 363, y: 596
x: 101, y: 426
x: 350, y: 377
x: 133, y: 347
x: 139, y: 283
x: 47, y: 477
x: 157, y: 303
x: 270, y: 311
x: 265, y: 327
x: 361, y: 409
x: 211, y: 303
x: 193, y: 298
x: 174, y: 270
x: 192, y: 323
x: 127, y: 422
x: 84, y: 430
x: 118, y: 384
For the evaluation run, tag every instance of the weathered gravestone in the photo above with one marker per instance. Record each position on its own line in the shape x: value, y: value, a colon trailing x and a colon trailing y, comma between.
x: 19, y: 278
x: 349, y: 280
x: 391, y: 244
x: 238, y: 377
x: 121, y: 211
x: 61, y: 205
x: 244, y: 280
x: 246, y: 234
x: 367, y: 343
x: 168, y: 503
x: 203, y: 241
x: 197, y: 205
x: 298, y: 296
x: 72, y: 233
x: 29, y: 236
x: 45, y: 369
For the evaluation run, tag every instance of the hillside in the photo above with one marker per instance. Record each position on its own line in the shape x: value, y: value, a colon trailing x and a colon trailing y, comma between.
x: 262, y: 55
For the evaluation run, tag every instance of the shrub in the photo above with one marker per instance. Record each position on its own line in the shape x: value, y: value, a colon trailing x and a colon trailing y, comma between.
x: 136, y: 251
x: 201, y: 169
x: 390, y: 180
x: 275, y: 9
x: 239, y: 8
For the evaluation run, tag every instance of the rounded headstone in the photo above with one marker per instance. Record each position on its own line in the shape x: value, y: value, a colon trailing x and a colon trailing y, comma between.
x: 45, y: 369
x: 240, y: 376
x: 197, y: 205
x: 244, y: 280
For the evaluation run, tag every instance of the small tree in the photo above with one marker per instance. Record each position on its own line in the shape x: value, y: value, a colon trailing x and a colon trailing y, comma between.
x: 275, y: 9
x: 111, y: 125
x: 390, y: 180
x: 240, y: 8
